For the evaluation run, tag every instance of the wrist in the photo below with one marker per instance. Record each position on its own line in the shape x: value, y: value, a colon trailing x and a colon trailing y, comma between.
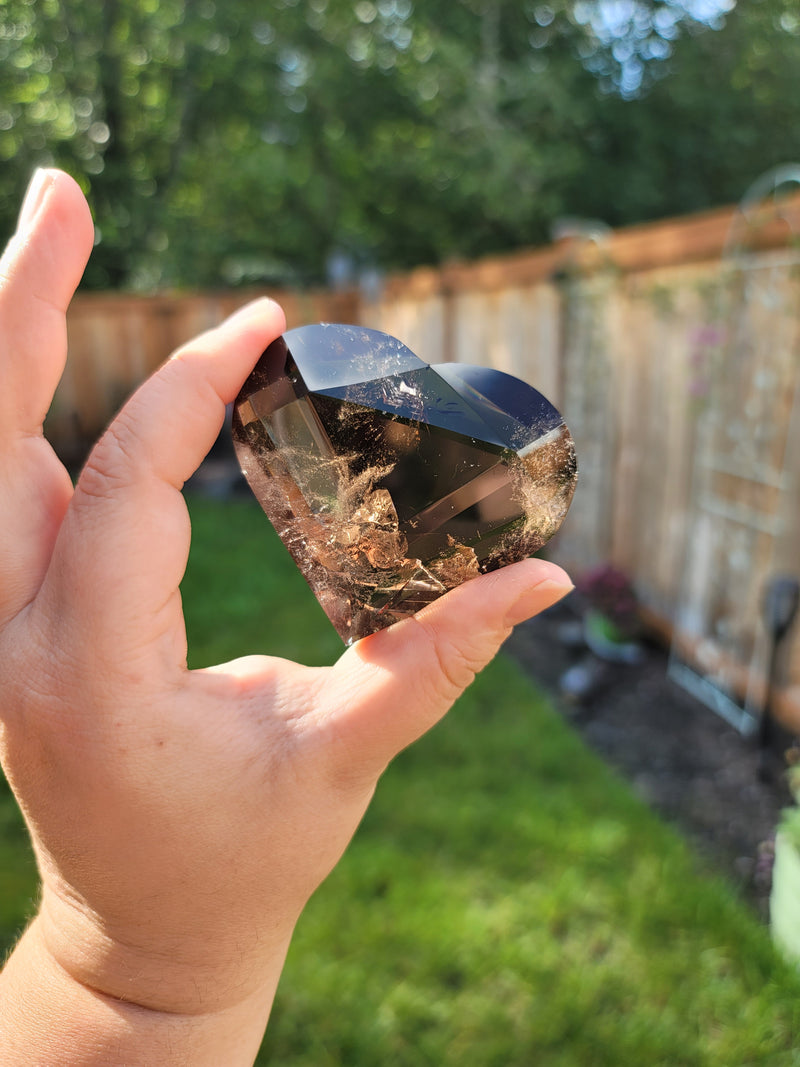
x: 171, y: 969
x: 50, y: 1016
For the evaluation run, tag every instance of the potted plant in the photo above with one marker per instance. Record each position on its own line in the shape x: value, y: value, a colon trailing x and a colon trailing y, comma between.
x: 611, y: 618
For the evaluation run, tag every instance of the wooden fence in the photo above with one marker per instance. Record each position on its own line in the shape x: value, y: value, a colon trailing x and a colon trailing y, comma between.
x: 672, y: 350
x: 117, y: 340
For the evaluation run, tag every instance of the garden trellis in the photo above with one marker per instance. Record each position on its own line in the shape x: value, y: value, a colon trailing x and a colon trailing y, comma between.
x: 743, y: 525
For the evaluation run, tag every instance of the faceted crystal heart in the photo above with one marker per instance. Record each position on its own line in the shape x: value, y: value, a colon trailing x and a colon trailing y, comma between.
x: 390, y: 481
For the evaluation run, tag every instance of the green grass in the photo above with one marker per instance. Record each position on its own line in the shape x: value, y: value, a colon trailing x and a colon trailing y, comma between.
x: 18, y: 881
x: 507, y: 901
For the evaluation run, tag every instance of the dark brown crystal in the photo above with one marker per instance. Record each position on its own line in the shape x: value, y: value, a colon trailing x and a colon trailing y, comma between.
x: 390, y: 481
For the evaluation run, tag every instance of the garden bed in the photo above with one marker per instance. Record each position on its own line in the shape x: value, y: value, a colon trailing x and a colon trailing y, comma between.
x: 681, y: 758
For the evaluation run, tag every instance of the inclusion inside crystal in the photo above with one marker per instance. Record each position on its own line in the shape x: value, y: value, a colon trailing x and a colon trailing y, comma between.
x: 390, y: 481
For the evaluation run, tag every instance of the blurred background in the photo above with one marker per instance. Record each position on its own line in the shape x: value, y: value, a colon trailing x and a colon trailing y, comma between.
x: 482, y: 179
x: 601, y: 197
x: 303, y: 141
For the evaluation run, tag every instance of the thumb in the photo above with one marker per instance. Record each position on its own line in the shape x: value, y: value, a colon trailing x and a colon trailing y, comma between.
x: 390, y: 688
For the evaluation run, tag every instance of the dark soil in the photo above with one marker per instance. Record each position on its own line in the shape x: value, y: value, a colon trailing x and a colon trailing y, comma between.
x: 680, y: 757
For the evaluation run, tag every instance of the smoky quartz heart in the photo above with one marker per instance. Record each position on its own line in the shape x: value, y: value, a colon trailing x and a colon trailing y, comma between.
x: 391, y: 481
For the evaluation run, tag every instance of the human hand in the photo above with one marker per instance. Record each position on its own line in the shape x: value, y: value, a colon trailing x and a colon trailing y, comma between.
x: 180, y: 819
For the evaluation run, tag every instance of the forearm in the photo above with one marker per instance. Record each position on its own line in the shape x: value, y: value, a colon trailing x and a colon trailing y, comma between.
x: 50, y: 1019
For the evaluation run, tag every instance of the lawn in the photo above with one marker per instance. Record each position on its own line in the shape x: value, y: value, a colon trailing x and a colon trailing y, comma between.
x: 507, y: 900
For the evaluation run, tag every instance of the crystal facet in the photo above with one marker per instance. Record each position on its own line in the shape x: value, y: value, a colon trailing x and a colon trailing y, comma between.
x: 390, y: 481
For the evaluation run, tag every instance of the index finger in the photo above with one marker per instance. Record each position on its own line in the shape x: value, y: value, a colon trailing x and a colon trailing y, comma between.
x: 123, y: 544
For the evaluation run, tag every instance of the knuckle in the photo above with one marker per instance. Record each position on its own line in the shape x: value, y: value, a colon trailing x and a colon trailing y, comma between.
x: 459, y: 657
x: 348, y: 776
x: 111, y: 462
x: 452, y: 667
x: 340, y: 764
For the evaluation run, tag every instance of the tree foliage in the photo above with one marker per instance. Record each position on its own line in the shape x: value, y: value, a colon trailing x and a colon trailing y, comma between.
x: 222, y: 143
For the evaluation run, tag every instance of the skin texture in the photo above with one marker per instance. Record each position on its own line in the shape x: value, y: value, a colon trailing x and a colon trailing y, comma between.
x: 180, y: 819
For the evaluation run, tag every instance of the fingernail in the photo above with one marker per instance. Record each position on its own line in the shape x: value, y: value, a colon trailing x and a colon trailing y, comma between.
x: 537, y: 599
x: 36, y: 193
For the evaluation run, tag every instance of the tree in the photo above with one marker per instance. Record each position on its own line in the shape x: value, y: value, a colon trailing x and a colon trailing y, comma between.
x: 227, y: 143
x: 723, y: 108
